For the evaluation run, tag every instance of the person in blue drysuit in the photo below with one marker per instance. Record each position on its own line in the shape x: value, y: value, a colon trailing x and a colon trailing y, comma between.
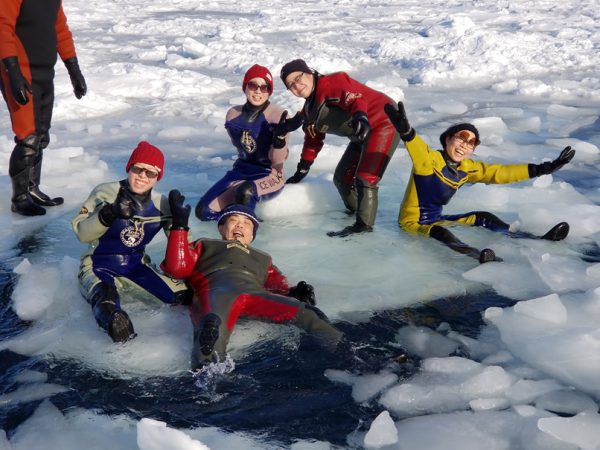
x: 258, y: 130
x: 118, y: 220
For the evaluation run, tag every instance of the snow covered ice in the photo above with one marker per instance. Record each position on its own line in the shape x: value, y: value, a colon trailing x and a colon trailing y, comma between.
x: 525, y: 73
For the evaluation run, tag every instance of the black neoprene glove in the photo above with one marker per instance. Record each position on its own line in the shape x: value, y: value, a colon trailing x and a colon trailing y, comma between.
x: 301, y: 171
x: 122, y: 208
x: 181, y: 213
x: 77, y: 80
x: 361, y: 126
x: 284, y: 127
x: 19, y: 86
x: 303, y: 292
x: 400, y: 121
x: 548, y: 167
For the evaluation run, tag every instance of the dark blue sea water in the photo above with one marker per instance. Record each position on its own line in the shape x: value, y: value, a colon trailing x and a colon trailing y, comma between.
x: 280, y: 395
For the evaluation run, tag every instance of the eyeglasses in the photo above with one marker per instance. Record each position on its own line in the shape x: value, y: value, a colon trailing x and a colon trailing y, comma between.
x: 464, y: 138
x: 264, y: 88
x: 140, y: 170
x: 296, y: 80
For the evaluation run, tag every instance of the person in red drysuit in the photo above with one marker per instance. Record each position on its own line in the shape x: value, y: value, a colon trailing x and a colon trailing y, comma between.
x: 232, y: 279
x: 338, y: 104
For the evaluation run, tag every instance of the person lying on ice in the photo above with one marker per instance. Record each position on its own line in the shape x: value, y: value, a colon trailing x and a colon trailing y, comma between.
x: 437, y: 175
x: 232, y: 279
x: 118, y: 220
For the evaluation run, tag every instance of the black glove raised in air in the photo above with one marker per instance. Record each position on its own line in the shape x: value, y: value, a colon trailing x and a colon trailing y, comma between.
x: 301, y: 171
x: 400, y: 121
x: 361, y: 127
x: 284, y: 127
x: 122, y: 208
x: 303, y: 292
x: 536, y: 170
x: 180, y: 213
x: 19, y: 87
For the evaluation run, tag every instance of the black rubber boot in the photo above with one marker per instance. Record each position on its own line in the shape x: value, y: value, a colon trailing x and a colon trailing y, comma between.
x: 365, y: 213
x: 349, y: 197
x: 21, y: 162
x: 558, y: 232
x: 120, y: 328
x: 105, y: 304
x: 367, y: 204
x: 488, y: 255
x: 34, y: 185
x: 205, y: 338
x: 245, y: 194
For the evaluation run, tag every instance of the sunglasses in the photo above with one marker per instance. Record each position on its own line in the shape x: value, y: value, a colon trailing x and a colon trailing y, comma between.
x: 140, y: 170
x: 264, y: 88
x: 464, y: 138
x: 297, y: 79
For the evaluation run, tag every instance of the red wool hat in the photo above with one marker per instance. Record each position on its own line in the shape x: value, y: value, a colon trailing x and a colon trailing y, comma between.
x: 257, y: 71
x: 147, y: 153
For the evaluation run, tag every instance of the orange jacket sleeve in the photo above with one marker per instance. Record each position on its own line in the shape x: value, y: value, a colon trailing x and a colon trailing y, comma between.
x: 64, y: 38
x: 8, y: 20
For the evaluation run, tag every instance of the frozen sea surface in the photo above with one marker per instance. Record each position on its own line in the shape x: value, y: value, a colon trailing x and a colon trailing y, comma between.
x: 503, y: 355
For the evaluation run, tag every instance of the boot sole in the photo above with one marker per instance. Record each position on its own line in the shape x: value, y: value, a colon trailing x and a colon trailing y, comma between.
x: 37, y: 211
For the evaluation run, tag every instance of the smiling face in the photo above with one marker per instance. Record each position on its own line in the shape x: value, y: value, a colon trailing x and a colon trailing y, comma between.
x: 461, y: 145
x: 257, y: 91
x: 300, y: 84
x: 138, y: 179
x: 237, y: 227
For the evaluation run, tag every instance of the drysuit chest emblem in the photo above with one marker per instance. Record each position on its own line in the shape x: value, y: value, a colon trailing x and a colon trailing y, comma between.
x: 132, y: 235
x: 248, y: 142
x: 239, y: 246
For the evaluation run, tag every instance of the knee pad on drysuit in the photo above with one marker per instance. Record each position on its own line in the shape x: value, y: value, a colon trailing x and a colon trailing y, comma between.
x: 24, y: 155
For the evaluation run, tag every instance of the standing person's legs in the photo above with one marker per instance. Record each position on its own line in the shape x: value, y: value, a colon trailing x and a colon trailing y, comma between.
x: 43, y: 123
x: 374, y: 160
x: 24, y: 120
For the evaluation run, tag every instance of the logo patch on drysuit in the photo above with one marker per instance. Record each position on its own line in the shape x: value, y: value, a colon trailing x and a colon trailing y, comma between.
x: 248, y: 142
x: 311, y: 129
x: 239, y: 245
x: 132, y: 235
x: 350, y: 97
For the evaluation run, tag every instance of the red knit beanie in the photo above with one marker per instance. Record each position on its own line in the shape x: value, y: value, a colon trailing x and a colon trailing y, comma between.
x: 257, y: 71
x: 147, y: 153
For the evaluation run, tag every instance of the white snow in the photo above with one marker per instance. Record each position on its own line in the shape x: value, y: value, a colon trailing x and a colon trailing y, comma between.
x: 526, y: 73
